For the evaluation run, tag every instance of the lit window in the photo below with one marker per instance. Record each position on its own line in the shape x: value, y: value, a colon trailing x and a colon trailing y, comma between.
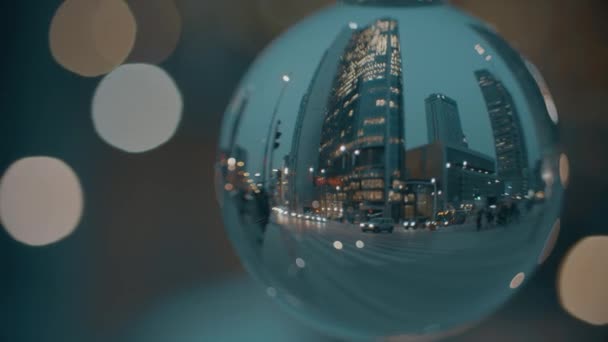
x: 373, y: 121
x: 380, y: 102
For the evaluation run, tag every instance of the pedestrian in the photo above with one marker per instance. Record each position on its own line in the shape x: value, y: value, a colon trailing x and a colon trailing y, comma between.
x: 479, y: 218
x: 490, y: 217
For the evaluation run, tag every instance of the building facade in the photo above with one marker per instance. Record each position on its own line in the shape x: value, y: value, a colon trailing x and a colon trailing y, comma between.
x: 304, y: 153
x: 361, y: 152
x: 511, y: 152
x: 443, y: 121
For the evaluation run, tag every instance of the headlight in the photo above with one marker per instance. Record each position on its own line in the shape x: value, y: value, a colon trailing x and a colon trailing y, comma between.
x: 371, y: 226
x: 362, y: 225
x: 413, y: 224
x: 405, y: 224
x: 445, y: 223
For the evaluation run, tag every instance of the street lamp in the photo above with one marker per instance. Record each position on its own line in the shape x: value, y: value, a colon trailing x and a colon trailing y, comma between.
x: 269, y: 149
x: 311, y: 170
x: 342, y: 148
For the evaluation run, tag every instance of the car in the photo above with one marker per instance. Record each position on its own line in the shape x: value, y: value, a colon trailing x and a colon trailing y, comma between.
x: 378, y: 225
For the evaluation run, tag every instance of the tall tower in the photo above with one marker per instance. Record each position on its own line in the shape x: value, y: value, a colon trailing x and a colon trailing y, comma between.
x: 307, y: 134
x: 443, y: 121
x: 511, y: 153
x: 362, y: 143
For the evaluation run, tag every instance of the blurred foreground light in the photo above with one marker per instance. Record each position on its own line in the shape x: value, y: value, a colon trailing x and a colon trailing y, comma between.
x: 338, y: 245
x: 583, y: 280
x: 159, y: 27
x: 564, y: 170
x: 41, y: 200
x: 517, y: 280
x: 542, y: 85
x: 92, y: 37
x: 550, y: 243
x: 137, y: 107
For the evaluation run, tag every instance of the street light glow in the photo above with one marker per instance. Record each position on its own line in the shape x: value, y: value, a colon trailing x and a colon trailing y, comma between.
x: 312, y: 169
x: 342, y: 148
x: 433, y: 180
x: 323, y: 171
x: 286, y: 78
x: 448, y: 165
x: 357, y: 152
x: 286, y: 171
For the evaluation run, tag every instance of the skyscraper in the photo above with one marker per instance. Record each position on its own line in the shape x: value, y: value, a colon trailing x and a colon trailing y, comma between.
x: 511, y: 153
x: 362, y: 146
x: 443, y: 121
x: 307, y: 134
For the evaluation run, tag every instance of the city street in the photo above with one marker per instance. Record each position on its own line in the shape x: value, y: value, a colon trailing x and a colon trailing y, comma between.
x: 404, y: 280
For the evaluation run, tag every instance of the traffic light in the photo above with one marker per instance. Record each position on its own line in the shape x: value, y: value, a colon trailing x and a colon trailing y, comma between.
x: 277, y: 135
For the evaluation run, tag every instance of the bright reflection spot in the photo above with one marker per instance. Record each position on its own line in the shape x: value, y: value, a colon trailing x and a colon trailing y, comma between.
x: 550, y: 243
x: 549, y: 103
x: 360, y: 244
x: 564, y: 169
x: 271, y: 292
x: 92, y: 37
x: 41, y: 200
x: 353, y: 25
x: 232, y: 162
x: 300, y: 263
x: 158, y: 30
x: 286, y: 78
x: 517, y: 280
x: 338, y: 245
x: 137, y: 107
x: 583, y: 280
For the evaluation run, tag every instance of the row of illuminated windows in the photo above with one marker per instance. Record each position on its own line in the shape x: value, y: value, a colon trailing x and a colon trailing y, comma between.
x: 374, y: 121
x: 368, y: 195
x: 372, y: 184
x: 382, y: 103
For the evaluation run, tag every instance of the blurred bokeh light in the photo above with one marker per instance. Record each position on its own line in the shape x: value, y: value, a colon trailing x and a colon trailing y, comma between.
x: 41, y: 200
x: 92, y: 37
x: 137, y: 107
x: 517, y: 280
x: 550, y: 243
x: 158, y: 30
x: 583, y: 280
x: 564, y: 170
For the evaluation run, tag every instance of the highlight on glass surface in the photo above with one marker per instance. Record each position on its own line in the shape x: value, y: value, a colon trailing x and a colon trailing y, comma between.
x: 384, y: 174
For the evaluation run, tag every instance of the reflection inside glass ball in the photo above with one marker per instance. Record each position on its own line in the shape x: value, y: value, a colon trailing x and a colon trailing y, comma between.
x: 390, y: 170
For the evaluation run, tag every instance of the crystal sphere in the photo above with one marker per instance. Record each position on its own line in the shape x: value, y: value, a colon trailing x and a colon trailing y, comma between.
x: 391, y: 168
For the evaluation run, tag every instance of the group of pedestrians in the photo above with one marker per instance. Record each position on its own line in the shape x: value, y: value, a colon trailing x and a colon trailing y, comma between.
x: 500, y: 215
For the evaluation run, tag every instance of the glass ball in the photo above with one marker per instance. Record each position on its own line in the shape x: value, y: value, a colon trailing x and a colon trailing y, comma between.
x: 391, y: 168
